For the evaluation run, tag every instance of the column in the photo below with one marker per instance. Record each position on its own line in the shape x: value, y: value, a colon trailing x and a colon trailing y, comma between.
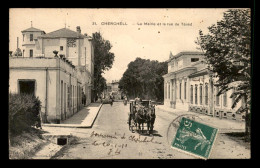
x: 174, y: 93
x: 188, y: 91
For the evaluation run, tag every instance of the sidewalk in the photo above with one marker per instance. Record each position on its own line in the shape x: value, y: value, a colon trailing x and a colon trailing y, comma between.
x: 83, y: 119
x: 224, y: 125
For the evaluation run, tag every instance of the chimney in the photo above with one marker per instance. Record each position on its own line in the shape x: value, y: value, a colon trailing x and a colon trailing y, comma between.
x: 78, y: 29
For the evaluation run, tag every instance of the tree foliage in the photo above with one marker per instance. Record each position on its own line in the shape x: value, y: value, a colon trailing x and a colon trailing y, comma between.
x: 103, y: 60
x: 143, y: 78
x: 227, y: 52
x: 24, y: 112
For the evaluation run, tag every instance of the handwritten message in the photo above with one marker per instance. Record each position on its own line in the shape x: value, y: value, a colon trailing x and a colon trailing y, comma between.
x: 116, y: 148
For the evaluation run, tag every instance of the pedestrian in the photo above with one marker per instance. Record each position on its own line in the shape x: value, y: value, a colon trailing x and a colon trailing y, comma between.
x: 125, y: 100
x: 83, y: 99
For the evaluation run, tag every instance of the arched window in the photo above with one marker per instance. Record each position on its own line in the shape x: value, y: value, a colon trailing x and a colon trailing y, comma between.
x: 225, y: 99
x: 196, y: 94
x: 206, y: 94
x: 180, y: 90
x: 191, y: 94
x: 233, y: 98
x: 201, y: 94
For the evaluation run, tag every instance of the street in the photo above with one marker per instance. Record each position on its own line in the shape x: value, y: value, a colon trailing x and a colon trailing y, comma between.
x: 110, y: 138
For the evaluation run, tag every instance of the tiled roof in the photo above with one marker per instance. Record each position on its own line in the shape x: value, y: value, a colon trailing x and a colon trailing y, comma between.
x: 64, y: 32
x: 32, y: 29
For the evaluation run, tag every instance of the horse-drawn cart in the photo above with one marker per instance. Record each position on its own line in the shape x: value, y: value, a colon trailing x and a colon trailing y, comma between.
x: 141, y: 114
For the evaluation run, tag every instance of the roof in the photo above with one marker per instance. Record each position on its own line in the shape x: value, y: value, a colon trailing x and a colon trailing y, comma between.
x: 32, y: 29
x: 185, y: 53
x: 199, y: 73
x: 64, y: 32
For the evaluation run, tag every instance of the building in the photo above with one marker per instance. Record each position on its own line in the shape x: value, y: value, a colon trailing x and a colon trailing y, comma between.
x: 188, y: 85
x: 59, y: 81
x: 113, y: 88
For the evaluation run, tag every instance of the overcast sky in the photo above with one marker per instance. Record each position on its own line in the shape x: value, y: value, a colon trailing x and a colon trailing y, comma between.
x: 154, y: 42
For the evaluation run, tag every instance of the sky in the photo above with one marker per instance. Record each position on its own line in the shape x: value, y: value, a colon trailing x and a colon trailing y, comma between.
x: 145, y: 33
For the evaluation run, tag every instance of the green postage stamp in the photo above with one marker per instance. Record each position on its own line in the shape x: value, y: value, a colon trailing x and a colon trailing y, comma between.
x: 194, y: 138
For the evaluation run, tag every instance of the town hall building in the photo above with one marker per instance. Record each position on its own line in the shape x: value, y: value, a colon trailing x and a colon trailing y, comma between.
x: 189, y: 86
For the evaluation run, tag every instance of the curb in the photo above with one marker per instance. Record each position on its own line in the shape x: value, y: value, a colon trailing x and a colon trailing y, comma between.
x: 96, y: 116
x: 74, y: 125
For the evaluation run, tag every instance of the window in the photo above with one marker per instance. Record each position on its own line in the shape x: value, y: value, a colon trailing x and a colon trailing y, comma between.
x: 165, y: 90
x: 217, y: 97
x: 225, y: 99
x: 31, y: 37
x: 206, y: 94
x: 68, y: 96
x: 23, y: 37
x: 31, y: 53
x: 180, y: 90
x: 191, y: 94
x: 196, y: 91
x: 185, y: 84
x: 201, y: 94
x: 27, y: 86
x: 168, y: 91
x: 194, y: 59
x: 61, y: 48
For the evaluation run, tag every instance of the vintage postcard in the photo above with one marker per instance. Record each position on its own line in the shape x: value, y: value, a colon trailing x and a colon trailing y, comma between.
x: 126, y: 83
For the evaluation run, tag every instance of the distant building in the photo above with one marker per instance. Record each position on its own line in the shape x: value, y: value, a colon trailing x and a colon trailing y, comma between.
x: 188, y: 86
x: 59, y: 81
x: 112, y: 88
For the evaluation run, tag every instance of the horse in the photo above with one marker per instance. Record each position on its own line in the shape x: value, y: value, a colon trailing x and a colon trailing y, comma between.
x: 140, y: 118
x: 150, y: 117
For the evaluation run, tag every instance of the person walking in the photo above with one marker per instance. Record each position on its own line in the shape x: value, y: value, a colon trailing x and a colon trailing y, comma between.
x: 83, y: 99
x: 111, y: 97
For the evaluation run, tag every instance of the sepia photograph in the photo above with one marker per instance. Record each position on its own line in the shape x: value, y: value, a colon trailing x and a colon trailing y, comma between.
x: 129, y: 83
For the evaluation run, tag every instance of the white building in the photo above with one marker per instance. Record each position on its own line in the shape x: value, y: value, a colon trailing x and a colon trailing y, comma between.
x: 188, y: 86
x: 60, y: 81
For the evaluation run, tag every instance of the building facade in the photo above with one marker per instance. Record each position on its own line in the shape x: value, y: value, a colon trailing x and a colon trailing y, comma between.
x: 59, y: 81
x: 188, y: 85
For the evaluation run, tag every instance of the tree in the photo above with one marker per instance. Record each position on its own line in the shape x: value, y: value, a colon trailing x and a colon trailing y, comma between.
x: 227, y: 52
x: 103, y: 60
x: 144, y: 78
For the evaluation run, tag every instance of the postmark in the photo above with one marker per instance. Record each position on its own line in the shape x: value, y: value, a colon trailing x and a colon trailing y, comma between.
x: 194, y: 138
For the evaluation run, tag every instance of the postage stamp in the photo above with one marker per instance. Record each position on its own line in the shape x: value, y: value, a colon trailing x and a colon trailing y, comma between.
x: 194, y: 138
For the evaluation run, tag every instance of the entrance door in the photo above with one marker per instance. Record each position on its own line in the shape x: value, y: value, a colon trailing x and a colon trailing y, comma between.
x: 27, y: 87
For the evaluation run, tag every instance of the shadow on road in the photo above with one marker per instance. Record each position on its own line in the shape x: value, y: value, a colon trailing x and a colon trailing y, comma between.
x: 155, y: 133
